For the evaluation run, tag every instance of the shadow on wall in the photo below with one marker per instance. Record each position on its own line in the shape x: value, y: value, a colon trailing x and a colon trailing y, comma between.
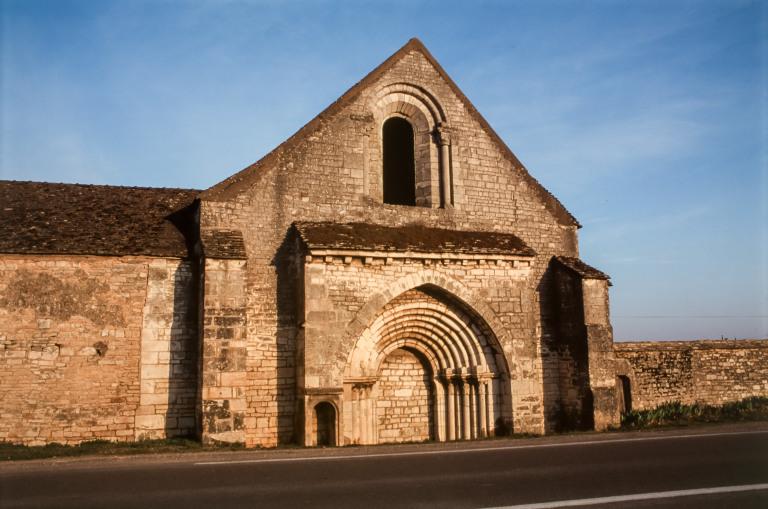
x: 568, y: 400
x: 181, y: 418
x: 290, y: 308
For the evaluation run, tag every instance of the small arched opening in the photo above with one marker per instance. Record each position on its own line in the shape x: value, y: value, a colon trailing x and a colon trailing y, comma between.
x: 325, y: 424
x: 399, y: 162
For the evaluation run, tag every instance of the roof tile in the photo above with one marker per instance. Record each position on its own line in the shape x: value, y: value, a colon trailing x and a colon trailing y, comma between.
x: 412, y: 237
x: 45, y: 218
x: 581, y: 268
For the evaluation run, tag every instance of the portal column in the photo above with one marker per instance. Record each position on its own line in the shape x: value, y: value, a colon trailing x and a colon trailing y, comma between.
x: 356, y: 431
x: 439, y: 395
x: 490, y: 405
x: 450, y: 420
x: 369, y: 416
x: 458, y: 420
x: 472, y: 409
x: 466, y: 431
x: 483, y: 406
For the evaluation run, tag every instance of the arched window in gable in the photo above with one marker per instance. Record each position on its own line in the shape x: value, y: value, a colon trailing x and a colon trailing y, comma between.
x: 416, y: 143
x: 399, y: 162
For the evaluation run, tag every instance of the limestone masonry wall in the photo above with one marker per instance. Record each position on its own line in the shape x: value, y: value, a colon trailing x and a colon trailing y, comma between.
x: 403, y: 405
x: 94, y: 348
x: 169, y: 352
x: 224, y: 379
x: 335, y: 174
x: 711, y: 372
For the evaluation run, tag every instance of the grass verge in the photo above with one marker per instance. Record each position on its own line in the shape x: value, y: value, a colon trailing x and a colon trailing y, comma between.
x: 677, y: 414
x: 105, y: 448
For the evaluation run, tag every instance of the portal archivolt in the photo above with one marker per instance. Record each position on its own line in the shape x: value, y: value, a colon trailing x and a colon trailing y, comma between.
x: 426, y: 368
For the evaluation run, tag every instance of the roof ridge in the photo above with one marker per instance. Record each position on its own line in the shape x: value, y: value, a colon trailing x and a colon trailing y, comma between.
x: 77, y: 184
x: 238, y: 180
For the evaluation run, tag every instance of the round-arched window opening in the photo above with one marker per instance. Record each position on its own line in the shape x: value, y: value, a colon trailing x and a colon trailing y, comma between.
x: 325, y: 424
x: 399, y: 162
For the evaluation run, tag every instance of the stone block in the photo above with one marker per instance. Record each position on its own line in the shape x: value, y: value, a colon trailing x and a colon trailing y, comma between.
x: 149, y: 422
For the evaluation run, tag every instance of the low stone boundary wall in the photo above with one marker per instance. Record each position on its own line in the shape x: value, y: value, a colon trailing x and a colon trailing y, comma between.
x: 707, y: 371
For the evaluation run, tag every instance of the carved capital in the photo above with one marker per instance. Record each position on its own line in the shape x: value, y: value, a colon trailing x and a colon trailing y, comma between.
x: 444, y: 135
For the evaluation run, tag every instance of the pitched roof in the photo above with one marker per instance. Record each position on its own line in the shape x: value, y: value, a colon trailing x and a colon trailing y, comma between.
x: 409, y: 238
x: 44, y: 218
x: 581, y: 268
x: 251, y: 174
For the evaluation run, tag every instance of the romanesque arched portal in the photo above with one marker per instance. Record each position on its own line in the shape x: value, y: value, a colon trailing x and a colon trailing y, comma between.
x: 427, y: 367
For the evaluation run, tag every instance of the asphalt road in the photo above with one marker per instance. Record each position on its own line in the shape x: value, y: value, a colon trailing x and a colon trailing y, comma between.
x: 705, y: 467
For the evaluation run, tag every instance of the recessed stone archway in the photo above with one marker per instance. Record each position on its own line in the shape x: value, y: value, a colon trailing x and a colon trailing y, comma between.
x: 453, y: 376
x: 428, y: 279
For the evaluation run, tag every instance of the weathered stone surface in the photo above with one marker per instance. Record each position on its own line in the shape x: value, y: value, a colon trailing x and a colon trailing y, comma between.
x: 169, y: 352
x: 404, y: 404
x: 95, y: 348
x: 711, y: 372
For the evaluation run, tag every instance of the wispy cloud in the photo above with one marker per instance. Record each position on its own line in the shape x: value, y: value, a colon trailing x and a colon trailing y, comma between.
x: 659, y: 224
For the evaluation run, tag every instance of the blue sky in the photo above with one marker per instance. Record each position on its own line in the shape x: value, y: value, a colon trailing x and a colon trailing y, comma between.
x: 647, y: 119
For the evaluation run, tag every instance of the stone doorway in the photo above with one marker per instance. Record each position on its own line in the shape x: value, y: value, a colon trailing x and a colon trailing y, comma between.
x: 426, y: 368
x: 325, y: 424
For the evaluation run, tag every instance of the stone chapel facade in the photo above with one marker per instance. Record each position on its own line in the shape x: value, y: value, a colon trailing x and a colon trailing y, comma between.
x: 389, y: 273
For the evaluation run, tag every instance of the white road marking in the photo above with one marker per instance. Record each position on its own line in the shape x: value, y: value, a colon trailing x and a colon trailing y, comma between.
x: 477, y: 449
x: 638, y: 496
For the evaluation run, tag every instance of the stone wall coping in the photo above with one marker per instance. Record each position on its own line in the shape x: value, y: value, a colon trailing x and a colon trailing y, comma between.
x: 320, y: 255
x: 701, y: 344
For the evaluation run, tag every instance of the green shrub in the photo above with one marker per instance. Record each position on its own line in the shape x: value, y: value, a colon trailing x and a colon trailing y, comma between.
x: 675, y: 413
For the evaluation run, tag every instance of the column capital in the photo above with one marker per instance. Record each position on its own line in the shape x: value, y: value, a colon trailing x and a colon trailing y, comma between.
x: 444, y: 134
x: 363, y: 383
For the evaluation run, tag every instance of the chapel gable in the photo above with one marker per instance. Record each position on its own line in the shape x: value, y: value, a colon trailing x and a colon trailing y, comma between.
x: 405, y: 135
